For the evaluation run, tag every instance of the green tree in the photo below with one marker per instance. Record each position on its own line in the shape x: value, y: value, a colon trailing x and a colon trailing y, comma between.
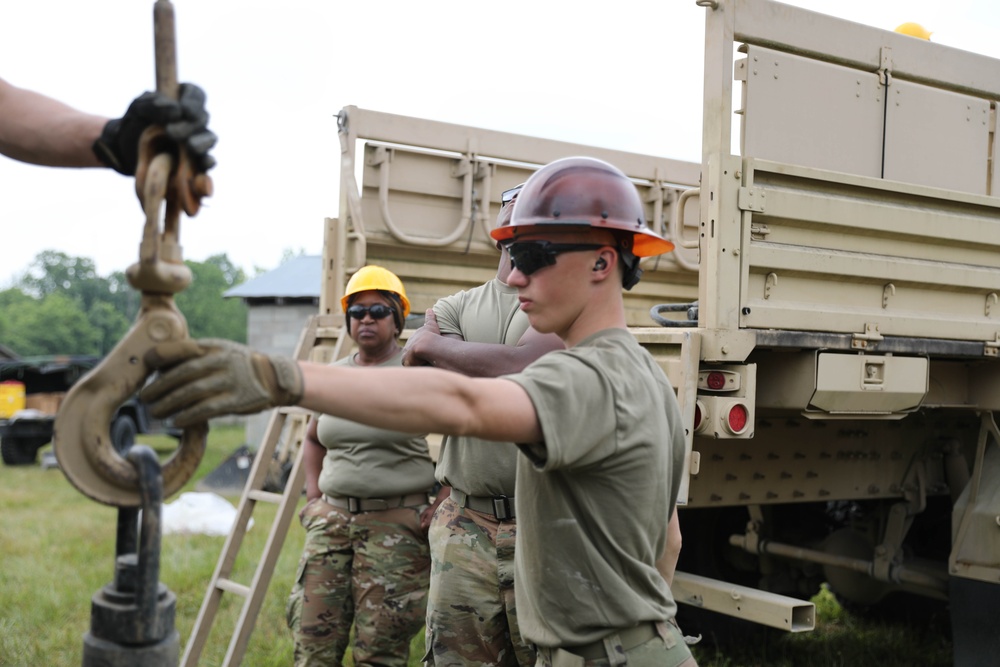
x: 12, y: 298
x: 62, y: 306
x: 102, y: 300
x: 53, y: 325
x: 208, y: 314
x: 75, y: 277
x: 12, y: 302
x: 122, y: 296
x: 110, y: 325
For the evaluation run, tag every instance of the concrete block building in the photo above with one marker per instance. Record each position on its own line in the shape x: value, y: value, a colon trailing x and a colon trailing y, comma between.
x: 279, y: 304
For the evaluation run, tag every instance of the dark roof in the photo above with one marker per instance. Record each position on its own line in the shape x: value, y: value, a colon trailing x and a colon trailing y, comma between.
x: 298, y: 278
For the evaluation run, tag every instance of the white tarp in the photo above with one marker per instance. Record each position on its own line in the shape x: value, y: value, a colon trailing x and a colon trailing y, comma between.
x: 201, y: 513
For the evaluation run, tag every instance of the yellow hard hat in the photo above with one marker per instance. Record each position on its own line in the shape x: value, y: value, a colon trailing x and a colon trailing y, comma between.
x: 914, y: 30
x: 373, y: 277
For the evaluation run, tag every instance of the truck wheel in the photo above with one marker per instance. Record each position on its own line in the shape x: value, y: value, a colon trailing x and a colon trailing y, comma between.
x: 123, y: 432
x: 20, y: 451
x: 928, y: 540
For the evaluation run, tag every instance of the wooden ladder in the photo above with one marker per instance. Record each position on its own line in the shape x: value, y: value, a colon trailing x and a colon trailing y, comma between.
x: 321, y: 340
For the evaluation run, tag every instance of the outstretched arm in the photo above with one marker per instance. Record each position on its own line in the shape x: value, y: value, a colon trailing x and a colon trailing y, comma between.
x: 37, y: 129
x: 40, y: 130
x: 429, y: 347
x: 422, y: 400
x: 201, y: 379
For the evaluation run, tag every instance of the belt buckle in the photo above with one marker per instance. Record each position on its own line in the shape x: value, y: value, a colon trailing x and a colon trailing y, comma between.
x: 353, y: 505
x: 501, y: 508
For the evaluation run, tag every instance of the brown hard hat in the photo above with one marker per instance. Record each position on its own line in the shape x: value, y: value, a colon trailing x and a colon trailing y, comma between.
x: 583, y: 191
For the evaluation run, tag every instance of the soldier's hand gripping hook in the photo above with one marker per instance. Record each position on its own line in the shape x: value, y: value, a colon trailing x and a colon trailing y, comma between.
x: 165, y: 181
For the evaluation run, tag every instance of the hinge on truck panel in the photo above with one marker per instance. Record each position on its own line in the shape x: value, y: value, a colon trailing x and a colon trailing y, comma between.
x: 758, y: 231
x: 991, y: 348
x: 694, y: 462
x: 462, y: 166
x: 751, y: 199
x: 468, y: 164
x: 871, y: 334
x: 380, y: 155
x: 885, y: 66
x: 740, y: 70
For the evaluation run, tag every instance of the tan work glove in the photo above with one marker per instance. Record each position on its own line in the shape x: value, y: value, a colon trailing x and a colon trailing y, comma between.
x: 201, y: 379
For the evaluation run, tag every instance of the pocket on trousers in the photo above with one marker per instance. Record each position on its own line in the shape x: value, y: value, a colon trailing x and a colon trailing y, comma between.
x: 428, y: 659
x: 308, y: 511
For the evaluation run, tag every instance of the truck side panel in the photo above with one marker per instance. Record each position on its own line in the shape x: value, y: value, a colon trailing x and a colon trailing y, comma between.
x: 429, y: 195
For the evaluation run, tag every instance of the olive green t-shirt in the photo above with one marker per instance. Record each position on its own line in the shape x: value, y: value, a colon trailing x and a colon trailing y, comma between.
x: 489, y: 313
x: 594, y: 498
x: 368, y: 462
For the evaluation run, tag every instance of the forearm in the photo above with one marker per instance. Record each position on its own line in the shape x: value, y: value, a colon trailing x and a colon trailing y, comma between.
x: 213, y: 377
x: 421, y: 400
x: 417, y: 400
x: 40, y: 130
x: 312, y: 460
x: 474, y: 359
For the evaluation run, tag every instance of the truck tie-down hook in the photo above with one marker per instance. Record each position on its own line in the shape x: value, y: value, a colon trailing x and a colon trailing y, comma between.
x: 81, y: 438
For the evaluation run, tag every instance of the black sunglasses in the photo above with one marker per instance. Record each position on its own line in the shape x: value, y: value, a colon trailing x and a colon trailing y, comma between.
x: 507, y: 196
x: 377, y: 311
x: 530, y: 256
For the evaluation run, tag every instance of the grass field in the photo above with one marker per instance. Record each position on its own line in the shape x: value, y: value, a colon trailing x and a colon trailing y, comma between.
x: 58, y: 547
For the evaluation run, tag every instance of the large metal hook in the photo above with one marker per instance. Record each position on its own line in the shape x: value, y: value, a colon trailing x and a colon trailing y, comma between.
x: 81, y: 438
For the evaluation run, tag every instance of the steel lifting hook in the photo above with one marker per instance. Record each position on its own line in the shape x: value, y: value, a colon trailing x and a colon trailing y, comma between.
x: 82, y: 439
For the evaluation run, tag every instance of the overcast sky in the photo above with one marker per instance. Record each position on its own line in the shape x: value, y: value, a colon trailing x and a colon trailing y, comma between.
x: 277, y: 73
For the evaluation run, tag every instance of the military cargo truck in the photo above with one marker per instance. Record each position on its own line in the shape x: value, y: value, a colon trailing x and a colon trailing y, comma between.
x: 43, y: 383
x: 830, y: 318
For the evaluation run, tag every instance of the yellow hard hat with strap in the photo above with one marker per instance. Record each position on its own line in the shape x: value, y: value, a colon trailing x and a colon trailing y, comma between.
x: 374, y: 277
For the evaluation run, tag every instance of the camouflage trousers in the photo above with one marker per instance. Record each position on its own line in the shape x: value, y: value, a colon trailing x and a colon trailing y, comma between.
x: 369, y: 568
x: 471, y: 615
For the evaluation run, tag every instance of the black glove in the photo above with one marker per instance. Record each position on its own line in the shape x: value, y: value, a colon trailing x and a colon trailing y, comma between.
x: 185, y: 120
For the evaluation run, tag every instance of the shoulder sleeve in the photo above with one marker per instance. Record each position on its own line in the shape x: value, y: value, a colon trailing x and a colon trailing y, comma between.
x: 448, y: 311
x: 575, y: 406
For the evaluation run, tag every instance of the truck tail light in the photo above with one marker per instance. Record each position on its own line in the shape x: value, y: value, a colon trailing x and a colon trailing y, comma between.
x: 716, y: 380
x: 700, y: 417
x: 719, y: 380
x: 738, y: 419
x: 724, y: 403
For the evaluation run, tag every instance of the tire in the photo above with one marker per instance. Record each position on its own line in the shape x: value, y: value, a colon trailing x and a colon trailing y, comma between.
x: 20, y: 451
x: 123, y: 432
x: 974, y: 608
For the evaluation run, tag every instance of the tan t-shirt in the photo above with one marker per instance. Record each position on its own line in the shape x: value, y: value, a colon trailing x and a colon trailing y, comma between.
x: 593, y: 500
x: 489, y: 313
x: 368, y: 462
